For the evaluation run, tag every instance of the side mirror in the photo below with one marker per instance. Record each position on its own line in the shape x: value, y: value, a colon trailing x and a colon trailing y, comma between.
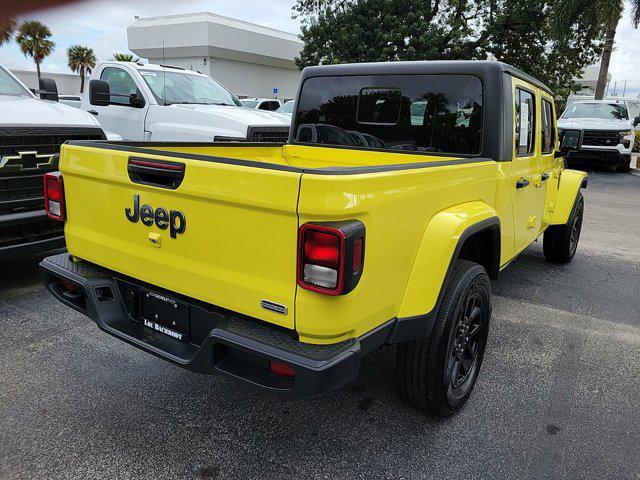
x: 99, y: 94
x: 570, y: 141
x: 136, y: 101
x: 636, y: 121
x: 48, y: 89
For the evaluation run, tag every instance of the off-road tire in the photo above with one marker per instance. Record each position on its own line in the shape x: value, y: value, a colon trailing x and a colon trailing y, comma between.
x: 424, y: 366
x: 560, y: 242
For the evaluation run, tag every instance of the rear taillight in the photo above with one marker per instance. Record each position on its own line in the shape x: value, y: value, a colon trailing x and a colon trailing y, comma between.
x: 330, y: 256
x: 54, y: 196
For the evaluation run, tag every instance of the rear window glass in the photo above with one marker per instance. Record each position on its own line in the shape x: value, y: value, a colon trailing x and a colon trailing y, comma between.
x: 379, y: 106
x: 419, y: 113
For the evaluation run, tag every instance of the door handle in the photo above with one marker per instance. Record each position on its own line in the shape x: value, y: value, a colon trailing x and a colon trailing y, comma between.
x: 93, y: 112
x: 544, y: 177
x: 523, y: 182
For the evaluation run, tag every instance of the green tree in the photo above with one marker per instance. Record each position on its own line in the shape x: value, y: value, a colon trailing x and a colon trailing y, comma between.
x: 524, y: 33
x: 81, y: 60
x: 388, y: 30
x: 6, y: 30
x: 34, y: 40
x: 608, y: 14
x: 124, y: 57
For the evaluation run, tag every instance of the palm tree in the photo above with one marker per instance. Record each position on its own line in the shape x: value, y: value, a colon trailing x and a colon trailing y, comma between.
x: 607, y: 13
x: 124, y: 57
x: 6, y: 30
x: 81, y: 60
x: 33, y: 39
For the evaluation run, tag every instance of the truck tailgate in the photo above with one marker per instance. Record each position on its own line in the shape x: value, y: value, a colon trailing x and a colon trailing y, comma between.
x: 238, y: 246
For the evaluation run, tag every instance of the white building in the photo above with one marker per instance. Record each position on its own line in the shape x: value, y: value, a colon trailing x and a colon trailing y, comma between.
x: 589, y: 80
x: 67, y: 82
x: 250, y: 60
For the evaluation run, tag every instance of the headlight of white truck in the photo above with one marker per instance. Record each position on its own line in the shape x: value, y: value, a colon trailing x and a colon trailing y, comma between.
x: 626, y: 138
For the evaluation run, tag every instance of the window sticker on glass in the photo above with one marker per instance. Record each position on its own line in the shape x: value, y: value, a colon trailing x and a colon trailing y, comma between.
x: 379, y: 106
x: 147, y: 74
x: 524, y: 124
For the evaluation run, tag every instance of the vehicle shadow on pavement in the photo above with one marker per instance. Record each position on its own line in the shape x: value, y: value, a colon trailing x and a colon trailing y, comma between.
x: 21, y: 274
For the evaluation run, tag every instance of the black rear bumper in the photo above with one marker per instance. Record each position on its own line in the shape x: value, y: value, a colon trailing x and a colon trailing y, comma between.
x: 220, y: 341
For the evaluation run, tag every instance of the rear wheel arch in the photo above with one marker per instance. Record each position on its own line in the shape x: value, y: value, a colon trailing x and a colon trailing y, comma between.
x: 478, y: 240
x: 481, y: 245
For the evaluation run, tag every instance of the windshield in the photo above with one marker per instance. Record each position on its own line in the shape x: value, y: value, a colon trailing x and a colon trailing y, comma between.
x: 286, y: 108
x: 176, y: 87
x: 610, y: 111
x: 420, y: 113
x: 249, y: 103
x: 8, y: 85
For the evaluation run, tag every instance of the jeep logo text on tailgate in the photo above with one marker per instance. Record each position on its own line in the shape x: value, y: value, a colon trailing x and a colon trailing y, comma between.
x: 174, y: 220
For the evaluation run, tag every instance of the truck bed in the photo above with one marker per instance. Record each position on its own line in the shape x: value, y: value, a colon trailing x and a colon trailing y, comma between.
x: 300, y: 158
x: 243, y: 205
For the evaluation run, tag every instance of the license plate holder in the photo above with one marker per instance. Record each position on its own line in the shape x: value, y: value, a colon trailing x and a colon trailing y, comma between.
x: 165, y: 315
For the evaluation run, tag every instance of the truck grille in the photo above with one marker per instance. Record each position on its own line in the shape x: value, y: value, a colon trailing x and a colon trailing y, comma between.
x: 601, y: 138
x: 21, y: 170
x: 268, y: 134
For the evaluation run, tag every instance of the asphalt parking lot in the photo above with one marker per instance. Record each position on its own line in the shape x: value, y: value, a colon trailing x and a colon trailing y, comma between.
x: 557, y: 397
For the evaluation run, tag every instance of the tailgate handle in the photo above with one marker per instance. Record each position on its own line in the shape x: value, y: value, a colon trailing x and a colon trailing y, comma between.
x: 157, y: 173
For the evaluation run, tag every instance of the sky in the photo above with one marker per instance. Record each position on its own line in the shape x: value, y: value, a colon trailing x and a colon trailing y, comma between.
x: 102, y: 24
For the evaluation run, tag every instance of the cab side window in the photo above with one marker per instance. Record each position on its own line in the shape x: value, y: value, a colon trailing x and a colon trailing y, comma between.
x: 548, y: 130
x: 120, y: 82
x: 525, y: 122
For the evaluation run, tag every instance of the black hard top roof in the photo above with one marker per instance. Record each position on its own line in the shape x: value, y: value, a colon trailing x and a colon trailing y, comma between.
x: 484, y: 68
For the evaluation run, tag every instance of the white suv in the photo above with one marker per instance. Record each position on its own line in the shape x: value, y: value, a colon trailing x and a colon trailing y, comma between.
x: 607, y: 132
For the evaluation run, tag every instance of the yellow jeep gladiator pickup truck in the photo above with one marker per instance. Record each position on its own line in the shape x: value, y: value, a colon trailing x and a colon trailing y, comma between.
x: 404, y: 187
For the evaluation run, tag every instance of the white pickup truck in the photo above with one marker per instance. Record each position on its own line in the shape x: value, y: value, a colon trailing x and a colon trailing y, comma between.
x: 31, y: 132
x: 607, y: 132
x: 145, y: 102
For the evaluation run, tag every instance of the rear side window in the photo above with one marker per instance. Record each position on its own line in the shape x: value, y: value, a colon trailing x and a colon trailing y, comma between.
x: 402, y: 113
x: 525, y: 122
x: 548, y: 131
x: 120, y: 82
